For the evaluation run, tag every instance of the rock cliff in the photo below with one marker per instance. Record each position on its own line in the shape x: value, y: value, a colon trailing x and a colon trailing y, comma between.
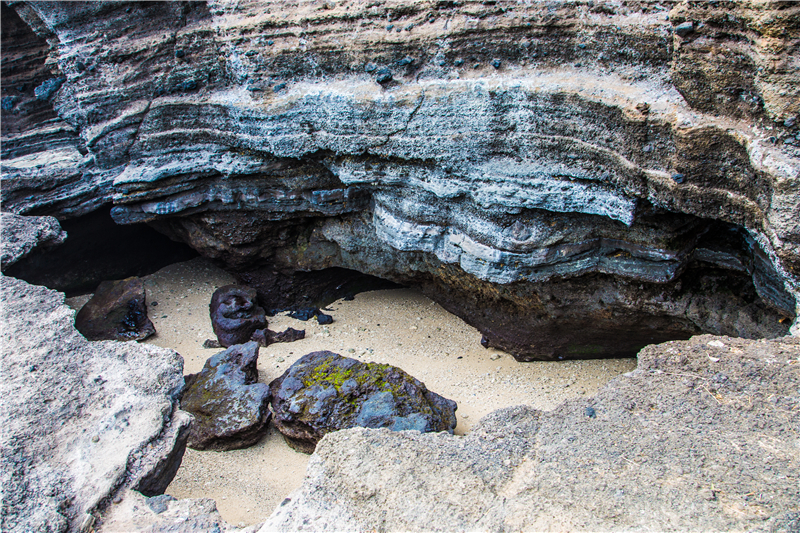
x: 575, y: 179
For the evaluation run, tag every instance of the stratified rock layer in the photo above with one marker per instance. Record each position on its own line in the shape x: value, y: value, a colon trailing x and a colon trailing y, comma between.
x: 323, y: 392
x: 509, y: 159
x: 702, y: 436
x: 81, y: 420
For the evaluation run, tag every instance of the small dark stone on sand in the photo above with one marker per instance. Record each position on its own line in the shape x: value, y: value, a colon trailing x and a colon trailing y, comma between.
x: 678, y: 178
x: 370, y: 67
x: 179, y: 53
x: 349, y: 298
x: 590, y: 412
x: 323, y: 319
x: 211, y: 343
x: 405, y: 61
x: 279, y: 87
x: 390, y: 27
x: 496, y: 63
x: 81, y: 66
x: 153, y: 304
x: 485, y: 342
x: 458, y: 62
x: 304, y: 314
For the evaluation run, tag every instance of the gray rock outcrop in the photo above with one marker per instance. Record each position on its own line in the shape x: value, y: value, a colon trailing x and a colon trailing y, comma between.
x: 702, y: 436
x: 230, y: 407
x: 323, y: 392
x: 20, y: 235
x: 550, y: 172
x: 117, y: 311
x: 81, y: 420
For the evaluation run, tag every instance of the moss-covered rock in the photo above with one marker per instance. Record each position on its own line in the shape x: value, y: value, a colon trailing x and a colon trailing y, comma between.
x: 324, y: 392
x: 231, y: 409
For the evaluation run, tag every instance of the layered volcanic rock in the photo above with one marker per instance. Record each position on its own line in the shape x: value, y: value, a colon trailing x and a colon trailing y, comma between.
x: 702, y: 436
x: 575, y: 179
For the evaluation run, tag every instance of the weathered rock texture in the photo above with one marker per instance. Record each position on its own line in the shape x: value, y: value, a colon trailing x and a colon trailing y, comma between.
x: 702, y: 436
x: 20, y: 235
x: 235, y: 314
x: 81, y: 420
x: 640, y: 157
x: 323, y: 392
x: 230, y: 407
x: 117, y: 311
x: 165, y: 514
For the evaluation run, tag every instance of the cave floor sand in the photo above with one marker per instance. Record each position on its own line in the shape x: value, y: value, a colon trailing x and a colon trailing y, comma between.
x: 399, y: 327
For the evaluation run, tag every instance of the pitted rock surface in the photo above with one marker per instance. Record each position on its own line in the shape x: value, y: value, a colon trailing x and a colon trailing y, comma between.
x: 323, y: 392
x: 702, y: 436
x: 510, y: 159
x: 229, y: 405
x: 20, y: 235
x: 81, y: 420
x: 235, y: 314
x: 117, y: 311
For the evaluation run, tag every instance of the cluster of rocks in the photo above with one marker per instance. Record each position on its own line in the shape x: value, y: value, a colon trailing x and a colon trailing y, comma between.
x: 319, y: 393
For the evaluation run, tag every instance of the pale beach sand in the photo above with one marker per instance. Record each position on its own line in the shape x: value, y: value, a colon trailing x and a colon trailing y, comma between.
x: 399, y: 327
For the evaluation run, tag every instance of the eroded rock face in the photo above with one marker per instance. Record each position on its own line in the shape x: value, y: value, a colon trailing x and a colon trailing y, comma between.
x: 117, y: 311
x: 701, y: 436
x: 323, y: 392
x: 235, y: 314
x: 81, y: 420
x: 229, y: 405
x: 509, y: 159
x: 20, y: 235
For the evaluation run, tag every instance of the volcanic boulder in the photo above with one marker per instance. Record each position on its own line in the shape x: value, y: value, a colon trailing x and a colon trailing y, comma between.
x: 235, y: 315
x: 323, y: 392
x: 229, y: 406
x: 117, y: 311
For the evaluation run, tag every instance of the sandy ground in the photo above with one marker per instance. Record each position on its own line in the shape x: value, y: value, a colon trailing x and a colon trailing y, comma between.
x: 399, y: 327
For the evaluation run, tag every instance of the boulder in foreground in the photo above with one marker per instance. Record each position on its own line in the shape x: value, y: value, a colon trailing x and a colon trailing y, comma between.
x: 81, y: 420
x: 702, y: 436
x: 230, y: 407
x: 323, y: 392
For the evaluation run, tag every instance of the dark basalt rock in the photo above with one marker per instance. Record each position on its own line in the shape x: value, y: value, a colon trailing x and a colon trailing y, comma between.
x: 324, y: 392
x: 229, y: 405
x: 117, y: 311
x: 265, y: 337
x: 235, y: 316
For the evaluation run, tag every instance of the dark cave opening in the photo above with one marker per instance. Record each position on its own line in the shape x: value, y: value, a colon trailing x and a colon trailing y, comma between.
x: 97, y: 249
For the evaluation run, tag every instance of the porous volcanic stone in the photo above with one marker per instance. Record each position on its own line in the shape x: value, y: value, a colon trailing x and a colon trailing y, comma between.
x: 324, y: 392
x: 117, y: 311
x: 235, y: 314
x: 21, y: 234
x: 80, y: 420
x: 229, y: 406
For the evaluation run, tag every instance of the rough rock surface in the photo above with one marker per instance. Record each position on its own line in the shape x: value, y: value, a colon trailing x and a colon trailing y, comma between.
x: 230, y: 407
x: 702, y: 436
x: 117, y: 311
x: 323, y: 392
x: 81, y: 420
x: 164, y: 514
x: 20, y: 235
x: 639, y: 157
x: 235, y: 315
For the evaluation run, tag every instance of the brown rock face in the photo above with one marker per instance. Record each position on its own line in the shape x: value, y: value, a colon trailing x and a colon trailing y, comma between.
x: 117, y: 311
x: 575, y: 179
